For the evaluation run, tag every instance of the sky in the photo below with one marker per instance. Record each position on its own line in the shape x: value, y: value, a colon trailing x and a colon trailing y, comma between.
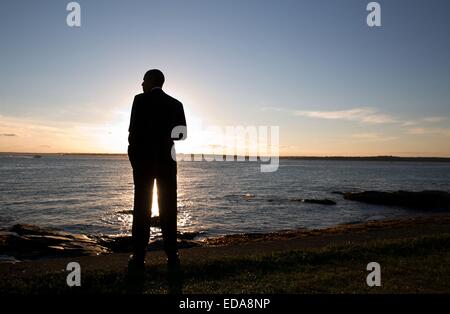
x: 333, y: 85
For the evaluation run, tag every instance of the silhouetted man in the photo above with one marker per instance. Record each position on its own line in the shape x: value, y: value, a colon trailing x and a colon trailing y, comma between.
x: 153, y: 118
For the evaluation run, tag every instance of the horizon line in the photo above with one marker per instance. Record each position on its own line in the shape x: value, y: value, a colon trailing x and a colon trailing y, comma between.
x: 235, y: 155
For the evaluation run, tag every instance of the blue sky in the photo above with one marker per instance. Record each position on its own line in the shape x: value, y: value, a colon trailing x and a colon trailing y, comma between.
x: 333, y: 85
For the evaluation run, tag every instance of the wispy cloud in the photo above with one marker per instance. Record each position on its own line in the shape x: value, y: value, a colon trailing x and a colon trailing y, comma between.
x: 435, y: 119
x: 8, y: 134
x: 426, y: 120
x: 427, y: 131
x: 364, y: 115
x: 373, y: 137
x: 410, y: 123
x: 277, y: 109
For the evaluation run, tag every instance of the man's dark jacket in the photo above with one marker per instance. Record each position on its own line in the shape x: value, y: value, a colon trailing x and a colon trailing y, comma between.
x: 153, y: 118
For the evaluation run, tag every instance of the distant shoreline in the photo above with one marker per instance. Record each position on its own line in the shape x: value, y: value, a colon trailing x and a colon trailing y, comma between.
x: 334, y: 158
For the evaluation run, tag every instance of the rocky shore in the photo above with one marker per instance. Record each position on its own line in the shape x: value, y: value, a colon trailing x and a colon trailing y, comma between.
x: 297, y: 261
x: 420, y: 200
x: 425, y: 200
x: 29, y: 242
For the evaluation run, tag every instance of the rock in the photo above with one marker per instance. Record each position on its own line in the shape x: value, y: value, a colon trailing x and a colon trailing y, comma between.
x: 26, y: 241
x: 321, y: 201
x: 187, y: 235
x: 438, y: 200
x: 117, y: 244
x: 315, y: 201
x: 26, y: 229
x: 5, y: 237
x: 125, y: 212
x: 5, y: 259
x: 277, y: 200
x: 56, y: 248
x: 248, y: 196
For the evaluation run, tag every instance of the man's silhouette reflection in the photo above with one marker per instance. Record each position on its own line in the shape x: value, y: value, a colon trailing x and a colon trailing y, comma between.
x: 153, y: 117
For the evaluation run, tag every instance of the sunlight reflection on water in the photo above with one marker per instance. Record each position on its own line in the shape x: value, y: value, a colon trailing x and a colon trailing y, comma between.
x: 123, y: 219
x: 155, y: 207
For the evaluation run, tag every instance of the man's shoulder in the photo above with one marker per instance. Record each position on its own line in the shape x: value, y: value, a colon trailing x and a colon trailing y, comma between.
x: 144, y: 97
x: 172, y: 102
x: 172, y: 99
x: 139, y: 96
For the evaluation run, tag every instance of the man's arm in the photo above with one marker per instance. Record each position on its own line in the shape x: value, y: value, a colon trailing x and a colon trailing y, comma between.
x: 132, y: 126
x: 179, y: 132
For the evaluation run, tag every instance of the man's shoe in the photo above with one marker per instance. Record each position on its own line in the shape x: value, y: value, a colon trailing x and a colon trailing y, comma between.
x: 173, y: 262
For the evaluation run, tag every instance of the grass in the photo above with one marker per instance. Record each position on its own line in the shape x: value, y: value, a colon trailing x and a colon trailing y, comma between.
x: 419, y: 265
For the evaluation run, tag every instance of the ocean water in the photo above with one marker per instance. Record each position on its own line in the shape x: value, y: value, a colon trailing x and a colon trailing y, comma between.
x: 94, y: 195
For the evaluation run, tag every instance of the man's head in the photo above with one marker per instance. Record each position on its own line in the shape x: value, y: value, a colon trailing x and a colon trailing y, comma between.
x: 153, y: 78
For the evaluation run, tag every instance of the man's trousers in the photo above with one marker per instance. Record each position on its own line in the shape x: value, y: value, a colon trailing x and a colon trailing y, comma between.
x: 166, y: 180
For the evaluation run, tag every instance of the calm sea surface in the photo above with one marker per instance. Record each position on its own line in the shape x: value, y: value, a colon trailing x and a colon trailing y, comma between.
x: 94, y: 195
